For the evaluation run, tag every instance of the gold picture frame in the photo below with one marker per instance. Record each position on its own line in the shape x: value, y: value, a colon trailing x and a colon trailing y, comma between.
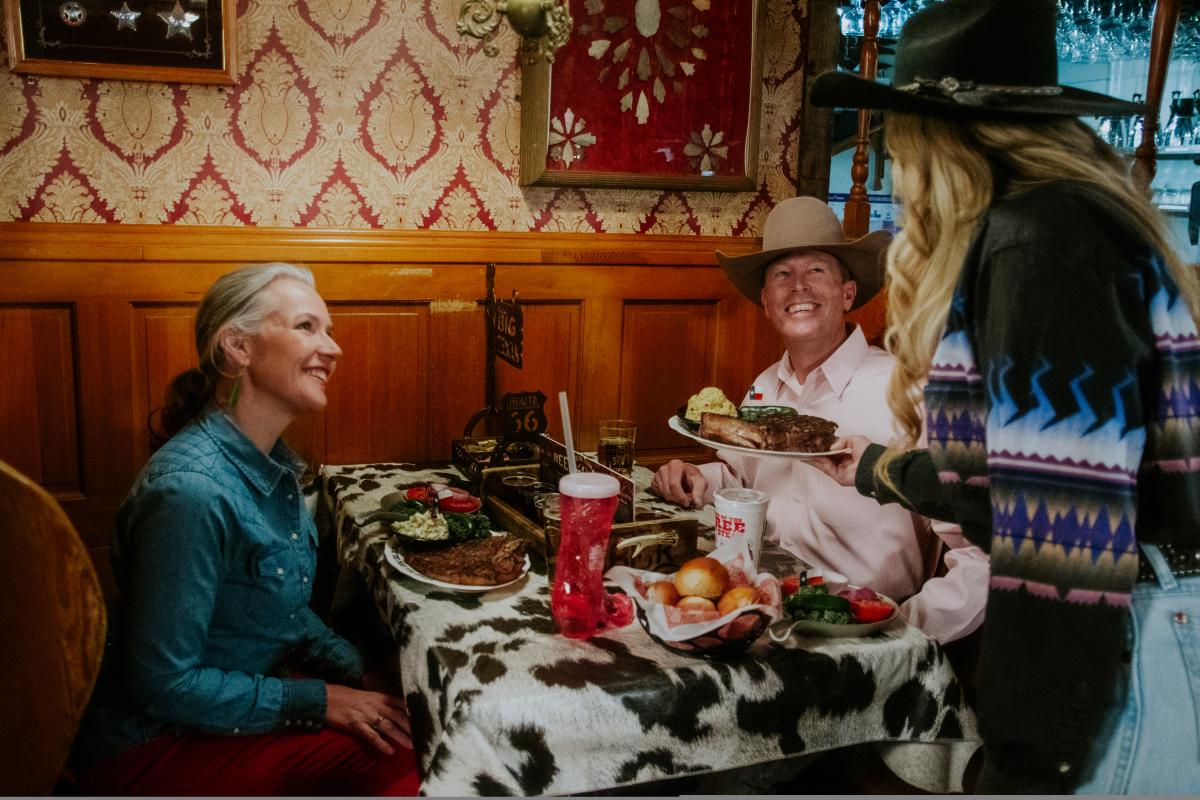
x: 184, y: 41
x: 541, y: 83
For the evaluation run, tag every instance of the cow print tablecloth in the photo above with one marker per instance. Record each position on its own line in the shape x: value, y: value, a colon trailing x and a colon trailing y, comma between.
x: 502, y: 705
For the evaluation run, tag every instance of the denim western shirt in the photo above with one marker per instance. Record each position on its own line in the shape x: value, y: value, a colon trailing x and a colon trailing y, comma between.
x: 215, y: 556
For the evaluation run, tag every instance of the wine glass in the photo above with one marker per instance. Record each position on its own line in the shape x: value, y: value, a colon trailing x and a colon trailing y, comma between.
x: 892, y: 16
x: 1138, y: 30
x: 851, y: 19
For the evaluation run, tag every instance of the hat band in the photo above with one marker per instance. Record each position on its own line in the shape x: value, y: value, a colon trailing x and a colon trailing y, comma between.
x: 974, y: 94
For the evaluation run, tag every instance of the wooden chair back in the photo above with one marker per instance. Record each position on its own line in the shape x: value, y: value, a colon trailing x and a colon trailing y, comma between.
x: 52, y: 625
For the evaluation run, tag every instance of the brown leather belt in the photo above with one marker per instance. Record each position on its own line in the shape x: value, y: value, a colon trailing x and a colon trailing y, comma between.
x: 1183, y: 561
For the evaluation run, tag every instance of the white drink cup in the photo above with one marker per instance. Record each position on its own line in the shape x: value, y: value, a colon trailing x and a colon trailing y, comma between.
x: 741, y: 513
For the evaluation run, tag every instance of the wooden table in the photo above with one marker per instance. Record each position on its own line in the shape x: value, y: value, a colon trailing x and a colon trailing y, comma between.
x: 502, y: 704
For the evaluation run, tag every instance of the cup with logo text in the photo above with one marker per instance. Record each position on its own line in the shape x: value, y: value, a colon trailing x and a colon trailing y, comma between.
x: 741, y: 513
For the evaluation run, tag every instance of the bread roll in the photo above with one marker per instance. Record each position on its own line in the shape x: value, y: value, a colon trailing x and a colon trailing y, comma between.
x: 702, y: 577
x: 736, y: 598
x: 693, y: 603
x: 662, y: 592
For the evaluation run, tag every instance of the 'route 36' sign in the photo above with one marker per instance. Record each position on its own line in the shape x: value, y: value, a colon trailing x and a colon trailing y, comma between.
x: 522, y: 415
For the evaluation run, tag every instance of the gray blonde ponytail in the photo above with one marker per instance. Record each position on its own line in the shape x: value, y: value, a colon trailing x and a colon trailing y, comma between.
x: 235, y: 302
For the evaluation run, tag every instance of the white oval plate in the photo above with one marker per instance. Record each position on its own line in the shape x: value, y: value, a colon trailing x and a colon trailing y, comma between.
x: 396, y: 559
x: 674, y: 424
x: 783, y: 629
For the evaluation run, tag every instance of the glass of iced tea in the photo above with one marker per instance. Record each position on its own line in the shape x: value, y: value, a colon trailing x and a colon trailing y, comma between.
x: 614, y: 444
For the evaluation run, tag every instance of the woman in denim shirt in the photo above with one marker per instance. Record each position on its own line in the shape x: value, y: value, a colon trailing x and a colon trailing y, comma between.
x: 215, y: 556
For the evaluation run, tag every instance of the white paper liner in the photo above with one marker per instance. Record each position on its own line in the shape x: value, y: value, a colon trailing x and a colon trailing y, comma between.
x: 734, y: 555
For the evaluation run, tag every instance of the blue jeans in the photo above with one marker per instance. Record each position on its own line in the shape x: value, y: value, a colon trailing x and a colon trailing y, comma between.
x: 1149, y: 742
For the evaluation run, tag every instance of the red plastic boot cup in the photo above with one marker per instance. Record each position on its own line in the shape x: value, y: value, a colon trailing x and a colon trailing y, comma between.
x: 581, y: 607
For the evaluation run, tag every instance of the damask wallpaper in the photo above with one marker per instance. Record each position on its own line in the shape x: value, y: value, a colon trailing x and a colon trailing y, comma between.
x: 353, y: 114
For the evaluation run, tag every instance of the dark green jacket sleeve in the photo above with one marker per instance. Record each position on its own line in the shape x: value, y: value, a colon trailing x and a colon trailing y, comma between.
x: 914, y: 475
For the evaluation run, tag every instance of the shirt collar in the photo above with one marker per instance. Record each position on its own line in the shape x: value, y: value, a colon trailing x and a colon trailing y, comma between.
x: 260, y: 471
x: 839, y: 367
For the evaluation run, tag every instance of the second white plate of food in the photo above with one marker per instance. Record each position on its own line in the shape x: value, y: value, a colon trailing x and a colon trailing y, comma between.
x: 674, y: 424
x: 396, y: 559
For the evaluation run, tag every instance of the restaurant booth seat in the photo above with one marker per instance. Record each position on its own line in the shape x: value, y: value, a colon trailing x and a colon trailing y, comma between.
x: 52, y: 628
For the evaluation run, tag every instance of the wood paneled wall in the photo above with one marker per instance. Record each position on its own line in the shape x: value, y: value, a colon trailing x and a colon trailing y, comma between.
x: 95, y: 320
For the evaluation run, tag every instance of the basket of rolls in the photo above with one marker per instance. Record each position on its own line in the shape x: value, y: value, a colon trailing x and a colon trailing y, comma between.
x: 716, y: 605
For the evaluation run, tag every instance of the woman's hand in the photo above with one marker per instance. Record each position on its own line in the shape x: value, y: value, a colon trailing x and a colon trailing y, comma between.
x: 680, y: 482
x: 842, y: 467
x: 377, y: 717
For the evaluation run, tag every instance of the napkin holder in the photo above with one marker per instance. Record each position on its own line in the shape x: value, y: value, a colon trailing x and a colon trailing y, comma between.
x: 656, y: 541
x: 473, y: 455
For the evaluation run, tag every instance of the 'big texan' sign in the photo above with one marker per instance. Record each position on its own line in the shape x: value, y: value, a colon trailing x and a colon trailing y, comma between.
x: 506, y: 330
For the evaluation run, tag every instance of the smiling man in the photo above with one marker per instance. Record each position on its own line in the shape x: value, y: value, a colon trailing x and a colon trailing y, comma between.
x: 806, y: 278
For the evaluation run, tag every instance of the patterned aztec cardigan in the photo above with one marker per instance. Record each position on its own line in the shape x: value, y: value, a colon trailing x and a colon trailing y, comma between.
x: 1063, y: 413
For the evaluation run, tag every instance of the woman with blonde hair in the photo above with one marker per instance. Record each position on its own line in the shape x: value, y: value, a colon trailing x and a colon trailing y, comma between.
x: 1046, y: 339
x: 219, y: 679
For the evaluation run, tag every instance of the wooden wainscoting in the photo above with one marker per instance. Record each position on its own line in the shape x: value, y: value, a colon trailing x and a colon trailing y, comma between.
x: 95, y: 320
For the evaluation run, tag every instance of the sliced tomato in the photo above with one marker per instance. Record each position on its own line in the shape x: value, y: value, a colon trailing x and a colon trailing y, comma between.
x: 791, y: 583
x: 460, y: 504
x: 870, y: 610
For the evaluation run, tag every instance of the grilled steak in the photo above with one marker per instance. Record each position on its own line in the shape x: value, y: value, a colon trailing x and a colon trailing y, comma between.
x: 484, y: 562
x: 731, y: 430
x: 796, y: 433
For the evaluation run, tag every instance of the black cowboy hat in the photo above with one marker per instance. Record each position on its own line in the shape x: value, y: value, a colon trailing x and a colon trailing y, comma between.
x: 805, y: 223
x: 973, y: 58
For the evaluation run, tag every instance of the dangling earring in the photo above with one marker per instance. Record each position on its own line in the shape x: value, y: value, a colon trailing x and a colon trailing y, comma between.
x: 233, y: 392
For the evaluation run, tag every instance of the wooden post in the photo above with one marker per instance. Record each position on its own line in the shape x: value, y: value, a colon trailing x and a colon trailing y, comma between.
x: 1162, y: 37
x: 856, y: 220
x: 812, y: 179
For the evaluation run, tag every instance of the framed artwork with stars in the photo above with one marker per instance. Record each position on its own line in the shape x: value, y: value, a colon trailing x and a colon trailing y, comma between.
x: 184, y: 41
x: 656, y: 94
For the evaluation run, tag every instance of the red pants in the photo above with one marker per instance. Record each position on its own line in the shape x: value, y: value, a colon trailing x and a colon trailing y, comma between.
x: 272, y: 764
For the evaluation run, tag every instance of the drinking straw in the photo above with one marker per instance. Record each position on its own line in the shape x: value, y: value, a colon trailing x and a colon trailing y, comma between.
x: 568, y: 440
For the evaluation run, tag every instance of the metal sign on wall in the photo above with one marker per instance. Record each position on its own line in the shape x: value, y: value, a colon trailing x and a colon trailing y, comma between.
x: 522, y: 415
x: 506, y: 331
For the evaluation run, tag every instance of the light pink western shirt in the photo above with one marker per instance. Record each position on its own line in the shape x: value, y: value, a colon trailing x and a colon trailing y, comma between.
x: 829, y: 525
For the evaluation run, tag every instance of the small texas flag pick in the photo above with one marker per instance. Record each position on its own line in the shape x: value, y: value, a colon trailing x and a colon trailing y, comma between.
x: 755, y: 393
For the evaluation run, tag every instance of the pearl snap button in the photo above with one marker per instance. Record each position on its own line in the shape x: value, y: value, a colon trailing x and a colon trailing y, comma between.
x: 1181, y: 617
x: 304, y: 579
x: 279, y: 570
x: 295, y: 536
x: 1064, y: 767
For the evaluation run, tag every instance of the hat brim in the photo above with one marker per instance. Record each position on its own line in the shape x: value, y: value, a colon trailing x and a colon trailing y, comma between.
x: 862, y: 257
x: 844, y: 90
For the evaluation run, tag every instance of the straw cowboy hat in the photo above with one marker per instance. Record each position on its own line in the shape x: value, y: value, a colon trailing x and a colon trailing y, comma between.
x: 973, y: 58
x: 805, y: 223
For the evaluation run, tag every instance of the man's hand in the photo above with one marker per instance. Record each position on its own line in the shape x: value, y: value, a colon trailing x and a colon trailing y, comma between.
x: 842, y: 467
x: 379, y: 718
x: 680, y: 483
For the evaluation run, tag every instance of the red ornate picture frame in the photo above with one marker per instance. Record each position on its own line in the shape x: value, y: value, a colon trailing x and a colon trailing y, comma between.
x: 660, y: 94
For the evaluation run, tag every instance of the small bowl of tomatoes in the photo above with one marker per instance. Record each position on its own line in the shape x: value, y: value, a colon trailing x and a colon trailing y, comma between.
x: 822, y: 606
x: 449, y: 499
